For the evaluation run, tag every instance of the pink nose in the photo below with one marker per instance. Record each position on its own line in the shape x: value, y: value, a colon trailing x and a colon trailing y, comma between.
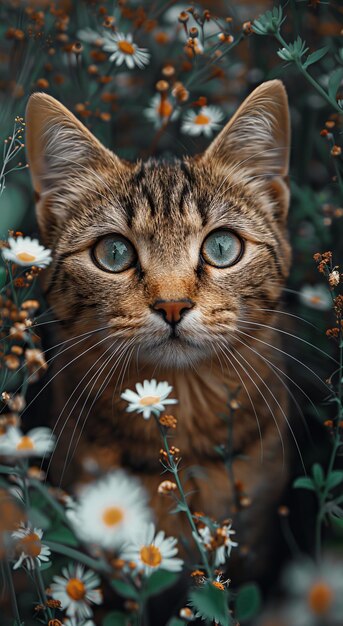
x: 173, y: 310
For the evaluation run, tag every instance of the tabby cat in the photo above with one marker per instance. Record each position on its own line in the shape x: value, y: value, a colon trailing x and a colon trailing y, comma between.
x: 170, y: 270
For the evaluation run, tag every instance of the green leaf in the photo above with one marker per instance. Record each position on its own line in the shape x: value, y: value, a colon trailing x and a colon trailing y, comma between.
x: 335, y: 478
x: 315, y: 56
x: 158, y: 581
x: 248, y: 602
x: 125, y: 590
x: 318, y: 474
x: 3, y: 276
x: 62, y: 534
x: 115, y: 618
x: 45, y: 566
x: 38, y: 518
x: 337, y: 524
x: 211, y: 603
x: 334, y: 82
x: 304, y: 483
x: 175, y: 621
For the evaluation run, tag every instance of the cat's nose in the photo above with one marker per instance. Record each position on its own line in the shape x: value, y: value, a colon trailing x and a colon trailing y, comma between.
x: 173, y: 310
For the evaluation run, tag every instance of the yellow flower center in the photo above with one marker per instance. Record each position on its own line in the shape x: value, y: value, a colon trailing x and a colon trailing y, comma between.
x: 75, y: 589
x: 26, y: 257
x: 320, y: 598
x: 112, y: 516
x: 148, y: 400
x: 126, y: 47
x: 315, y: 300
x: 164, y: 109
x: 150, y: 555
x: 31, y: 545
x: 25, y: 443
x: 202, y: 120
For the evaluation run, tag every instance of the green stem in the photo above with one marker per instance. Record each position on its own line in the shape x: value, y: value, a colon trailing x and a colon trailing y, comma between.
x: 97, y: 564
x: 308, y: 76
x: 45, y: 493
x: 174, y: 470
x: 322, y: 497
x: 18, y: 621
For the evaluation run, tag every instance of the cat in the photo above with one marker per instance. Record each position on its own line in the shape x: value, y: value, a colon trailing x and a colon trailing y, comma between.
x: 190, y: 300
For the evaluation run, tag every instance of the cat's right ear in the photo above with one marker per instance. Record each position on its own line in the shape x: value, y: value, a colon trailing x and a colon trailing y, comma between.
x: 60, y: 150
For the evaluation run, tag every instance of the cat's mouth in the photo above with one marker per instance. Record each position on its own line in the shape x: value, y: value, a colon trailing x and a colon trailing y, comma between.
x: 174, y: 350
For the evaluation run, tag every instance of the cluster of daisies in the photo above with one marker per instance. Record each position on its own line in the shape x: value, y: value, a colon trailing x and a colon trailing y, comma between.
x: 124, y: 51
x: 110, y: 515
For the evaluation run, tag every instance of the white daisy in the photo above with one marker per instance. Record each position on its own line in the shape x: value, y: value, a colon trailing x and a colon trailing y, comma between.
x: 27, y: 251
x: 159, y: 111
x: 30, y: 548
x: 88, y: 35
x: 152, y: 552
x: 76, y: 590
x: 316, y: 593
x: 110, y: 510
x: 37, y: 442
x: 316, y: 297
x: 151, y: 397
x: 124, y: 50
x: 205, y: 122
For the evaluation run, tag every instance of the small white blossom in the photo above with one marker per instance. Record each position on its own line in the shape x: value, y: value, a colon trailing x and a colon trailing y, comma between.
x: 205, y: 121
x: 151, y: 397
x: 159, y: 111
x: 36, y: 442
x: 151, y: 551
x: 27, y: 252
x: 28, y: 545
x: 77, y: 589
x: 88, y: 35
x: 219, y: 541
x: 316, y: 297
x: 124, y: 50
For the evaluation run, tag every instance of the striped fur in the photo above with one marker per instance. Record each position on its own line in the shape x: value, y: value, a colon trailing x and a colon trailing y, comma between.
x: 166, y: 210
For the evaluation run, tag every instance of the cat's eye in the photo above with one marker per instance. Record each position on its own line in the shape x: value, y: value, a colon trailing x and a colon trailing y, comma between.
x: 222, y: 248
x: 114, y: 253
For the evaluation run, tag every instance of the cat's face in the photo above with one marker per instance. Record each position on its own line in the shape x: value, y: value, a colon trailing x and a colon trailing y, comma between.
x: 170, y: 257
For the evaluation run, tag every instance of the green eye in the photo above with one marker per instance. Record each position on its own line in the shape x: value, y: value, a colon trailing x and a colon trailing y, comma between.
x: 222, y: 248
x: 114, y: 253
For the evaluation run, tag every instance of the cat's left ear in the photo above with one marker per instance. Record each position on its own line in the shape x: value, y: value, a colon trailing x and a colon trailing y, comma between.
x: 256, y: 140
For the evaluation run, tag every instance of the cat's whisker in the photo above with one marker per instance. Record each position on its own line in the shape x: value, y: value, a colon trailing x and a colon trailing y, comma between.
x: 102, y: 387
x: 284, y: 332
x: 282, y: 412
x: 227, y: 357
x: 78, y: 356
x: 298, y: 317
x: 262, y: 395
x: 90, y: 386
x: 74, y: 405
x: 275, y: 367
x: 55, y: 356
x: 287, y: 354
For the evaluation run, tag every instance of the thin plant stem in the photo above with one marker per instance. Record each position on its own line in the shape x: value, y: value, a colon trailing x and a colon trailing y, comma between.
x: 308, y: 76
x: 173, y: 467
x: 15, y: 609
x: 97, y: 564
